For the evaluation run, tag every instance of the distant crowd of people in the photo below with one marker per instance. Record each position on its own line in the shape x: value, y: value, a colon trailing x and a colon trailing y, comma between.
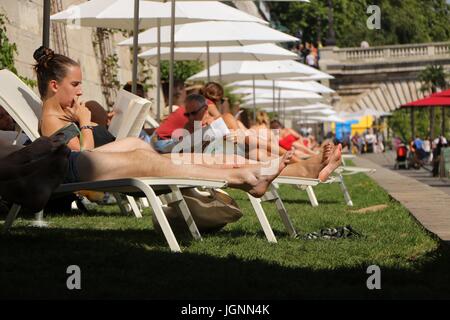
x: 308, y: 53
x: 370, y: 141
x: 420, y: 152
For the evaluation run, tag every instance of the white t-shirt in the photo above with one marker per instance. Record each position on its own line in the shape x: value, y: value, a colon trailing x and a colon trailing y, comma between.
x: 426, y: 146
x: 370, y: 138
x: 436, y: 141
x: 310, y: 60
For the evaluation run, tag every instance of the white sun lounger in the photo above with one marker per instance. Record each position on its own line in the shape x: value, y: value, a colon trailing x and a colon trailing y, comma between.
x: 338, y: 177
x: 25, y: 107
x: 272, y: 196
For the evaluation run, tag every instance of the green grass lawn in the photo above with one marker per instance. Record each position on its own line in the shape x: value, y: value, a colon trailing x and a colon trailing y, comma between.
x: 123, y: 257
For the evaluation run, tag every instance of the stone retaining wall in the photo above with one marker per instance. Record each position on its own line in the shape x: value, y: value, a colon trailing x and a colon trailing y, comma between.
x: 25, y: 29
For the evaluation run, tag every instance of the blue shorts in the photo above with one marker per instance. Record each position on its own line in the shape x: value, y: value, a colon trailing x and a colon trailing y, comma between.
x: 162, y: 145
x: 145, y: 136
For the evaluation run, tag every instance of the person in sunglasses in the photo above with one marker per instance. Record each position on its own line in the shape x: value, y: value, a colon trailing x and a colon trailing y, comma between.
x: 218, y: 106
x: 197, y: 111
x: 163, y: 138
x: 169, y: 133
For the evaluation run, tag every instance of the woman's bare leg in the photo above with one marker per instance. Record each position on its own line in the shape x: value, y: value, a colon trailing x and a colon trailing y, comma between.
x: 299, y: 146
x: 333, y: 163
x: 218, y: 161
x: 141, y: 163
x: 125, y: 145
x: 303, y: 168
x: 264, y: 144
x: 309, y: 168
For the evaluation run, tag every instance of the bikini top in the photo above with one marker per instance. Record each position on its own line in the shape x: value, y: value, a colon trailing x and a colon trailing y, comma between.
x: 102, y: 136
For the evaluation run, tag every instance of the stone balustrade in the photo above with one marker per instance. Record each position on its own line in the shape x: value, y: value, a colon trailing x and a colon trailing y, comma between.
x: 382, y: 77
x: 428, y: 50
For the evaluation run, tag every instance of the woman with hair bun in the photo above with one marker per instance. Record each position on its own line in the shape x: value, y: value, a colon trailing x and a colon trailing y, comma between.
x: 59, y: 81
x: 59, y: 84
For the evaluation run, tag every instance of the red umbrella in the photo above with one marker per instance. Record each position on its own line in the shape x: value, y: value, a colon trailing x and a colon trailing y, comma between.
x: 445, y: 93
x: 439, y: 99
x: 431, y: 101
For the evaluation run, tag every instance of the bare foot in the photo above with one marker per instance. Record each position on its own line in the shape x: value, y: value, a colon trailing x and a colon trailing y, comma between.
x: 335, y: 161
x: 327, y: 152
x: 256, y: 181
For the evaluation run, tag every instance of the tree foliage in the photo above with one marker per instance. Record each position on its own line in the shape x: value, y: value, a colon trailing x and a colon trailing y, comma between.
x: 402, y: 21
x: 182, y: 69
x: 433, y: 78
x: 400, y: 123
x: 8, y: 50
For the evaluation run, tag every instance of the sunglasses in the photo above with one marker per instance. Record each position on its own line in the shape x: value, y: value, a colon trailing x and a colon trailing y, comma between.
x: 193, y: 113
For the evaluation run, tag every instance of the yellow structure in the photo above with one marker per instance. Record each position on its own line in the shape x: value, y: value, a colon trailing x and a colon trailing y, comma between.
x: 363, y: 124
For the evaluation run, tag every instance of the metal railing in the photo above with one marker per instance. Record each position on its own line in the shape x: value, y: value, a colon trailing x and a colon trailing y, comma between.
x: 394, y: 52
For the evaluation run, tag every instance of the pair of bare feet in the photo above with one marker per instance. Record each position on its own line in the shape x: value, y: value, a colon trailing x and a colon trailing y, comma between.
x: 318, y: 166
x: 332, y: 159
x: 253, y: 179
x: 30, y: 175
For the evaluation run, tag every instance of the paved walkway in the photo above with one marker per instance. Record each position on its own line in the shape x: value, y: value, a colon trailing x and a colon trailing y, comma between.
x: 428, y: 199
x: 387, y: 160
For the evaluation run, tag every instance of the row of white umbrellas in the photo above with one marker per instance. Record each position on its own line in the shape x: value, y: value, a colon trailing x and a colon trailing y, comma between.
x: 243, y: 39
x: 247, y: 37
x: 144, y: 14
x: 261, y: 52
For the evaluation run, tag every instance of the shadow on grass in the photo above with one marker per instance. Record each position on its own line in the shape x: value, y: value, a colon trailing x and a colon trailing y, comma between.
x: 68, y: 214
x: 237, y: 233
x: 137, y: 264
x: 307, y: 202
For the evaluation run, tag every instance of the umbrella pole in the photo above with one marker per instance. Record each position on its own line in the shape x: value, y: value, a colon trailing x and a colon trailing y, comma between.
x: 432, y: 115
x: 208, y: 63
x: 413, y: 129
x: 279, y: 102
x: 172, y: 54
x: 46, y: 27
x: 443, y: 121
x: 273, y: 92
x: 158, y: 91
x: 39, y: 217
x: 135, y: 45
x: 254, y: 102
x: 220, y: 68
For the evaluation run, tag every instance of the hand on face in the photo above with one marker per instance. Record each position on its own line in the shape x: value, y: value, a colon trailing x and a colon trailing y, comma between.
x: 78, y: 112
